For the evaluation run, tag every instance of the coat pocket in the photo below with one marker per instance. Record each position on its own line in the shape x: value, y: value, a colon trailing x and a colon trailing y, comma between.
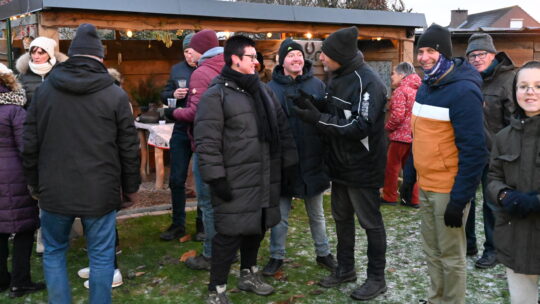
x: 510, y: 166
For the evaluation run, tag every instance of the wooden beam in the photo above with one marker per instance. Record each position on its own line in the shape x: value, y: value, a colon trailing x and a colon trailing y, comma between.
x: 50, y: 32
x: 139, y: 22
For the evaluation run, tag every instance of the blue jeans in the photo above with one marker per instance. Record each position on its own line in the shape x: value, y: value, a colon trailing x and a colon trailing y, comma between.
x: 204, y: 202
x: 100, y: 239
x: 489, y: 220
x: 180, y: 157
x: 317, y: 225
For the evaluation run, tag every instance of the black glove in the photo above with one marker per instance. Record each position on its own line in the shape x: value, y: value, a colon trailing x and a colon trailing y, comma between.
x: 453, y: 216
x: 405, y: 192
x: 311, y: 116
x: 220, y: 187
x: 519, y: 203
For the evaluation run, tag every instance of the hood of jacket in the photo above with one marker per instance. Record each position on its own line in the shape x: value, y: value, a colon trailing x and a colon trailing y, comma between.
x: 210, y: 54
x: 23, y: 66
x: 215, y: 63
x: 279, y: 76
x: 461, y: 70
x: 505, y: 64
x: 80, y: 75
x: 412, y: 81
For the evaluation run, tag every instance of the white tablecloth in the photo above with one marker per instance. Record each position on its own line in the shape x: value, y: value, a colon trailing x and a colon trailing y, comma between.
x: 159, y: 135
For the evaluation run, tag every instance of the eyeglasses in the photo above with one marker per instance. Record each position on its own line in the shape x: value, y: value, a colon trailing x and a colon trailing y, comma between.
x: 525, y: 88
x: 480, y: 56
x: 252, y: 56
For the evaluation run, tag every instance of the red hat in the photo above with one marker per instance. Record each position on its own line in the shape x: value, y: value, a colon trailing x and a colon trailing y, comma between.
x: 203, y: 41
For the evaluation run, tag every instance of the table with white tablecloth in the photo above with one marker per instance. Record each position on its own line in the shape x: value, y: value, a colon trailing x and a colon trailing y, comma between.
x: 159, y: 136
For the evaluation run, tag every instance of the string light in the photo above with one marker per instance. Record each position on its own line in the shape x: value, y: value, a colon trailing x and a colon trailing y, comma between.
x: 309, y: 35
x: 129, y: 33
x: 268, y: 35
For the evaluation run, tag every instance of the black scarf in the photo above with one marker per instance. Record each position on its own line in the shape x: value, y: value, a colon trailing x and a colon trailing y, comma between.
x: 266, y: 119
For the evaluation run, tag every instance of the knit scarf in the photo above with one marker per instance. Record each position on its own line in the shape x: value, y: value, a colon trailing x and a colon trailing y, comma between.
x: 441, y: 67
x: 266, y: 119
x: 42, y: 69
x: 17, y: 97
x: 490, y: 69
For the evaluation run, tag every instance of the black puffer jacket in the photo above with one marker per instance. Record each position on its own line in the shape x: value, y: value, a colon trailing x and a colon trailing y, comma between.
x: 228, y: 145
x: 80, y: 144
x: 515, y: 165
x: 355, y: 148
x: 311, y: 177
x: 498, y: 100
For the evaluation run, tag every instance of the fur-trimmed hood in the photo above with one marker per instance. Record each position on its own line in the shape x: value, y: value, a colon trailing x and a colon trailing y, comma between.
x: 22, y: 64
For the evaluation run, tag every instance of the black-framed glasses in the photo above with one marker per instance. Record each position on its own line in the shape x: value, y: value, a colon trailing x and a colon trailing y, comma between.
x: 480, y: 56
x: 252, y: 56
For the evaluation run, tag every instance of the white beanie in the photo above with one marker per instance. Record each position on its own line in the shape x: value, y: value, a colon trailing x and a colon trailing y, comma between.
x: 4, y: 70
x: 47, y: 44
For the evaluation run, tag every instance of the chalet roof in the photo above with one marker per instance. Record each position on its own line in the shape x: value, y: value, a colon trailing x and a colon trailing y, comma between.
x: 223, y: 9
x: 484, y: 19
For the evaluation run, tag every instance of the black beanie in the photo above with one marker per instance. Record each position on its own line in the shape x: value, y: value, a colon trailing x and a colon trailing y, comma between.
x: 286, y: 46
x: 437, y: 38
x: 342, y: 45
x: 86, y: 42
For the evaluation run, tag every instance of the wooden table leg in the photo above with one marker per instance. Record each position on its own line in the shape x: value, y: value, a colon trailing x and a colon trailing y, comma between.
x: 144, y: 154
x: 160, y: 168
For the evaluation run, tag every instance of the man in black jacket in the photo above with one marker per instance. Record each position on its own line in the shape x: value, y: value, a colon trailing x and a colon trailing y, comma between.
x: 81, y: 158
x: 497, y: 71
x: 177, y: 87
x: 351, y: 121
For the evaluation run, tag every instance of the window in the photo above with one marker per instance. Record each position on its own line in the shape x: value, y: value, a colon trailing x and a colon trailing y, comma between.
x: 516, y: 23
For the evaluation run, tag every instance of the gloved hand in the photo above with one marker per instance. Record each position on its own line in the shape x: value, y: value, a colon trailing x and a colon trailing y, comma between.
x: 220, y: 187
x: 311, y: 115
x: 405, y: 192
x: 453, y: 216
x: 519, y: 203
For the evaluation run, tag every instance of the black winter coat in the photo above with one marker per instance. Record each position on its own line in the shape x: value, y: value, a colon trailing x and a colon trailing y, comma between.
x: 355, y: 151
x: 80, y: 144
x: 311, y: 177
x: 227, y: 142
x: 515, y: 164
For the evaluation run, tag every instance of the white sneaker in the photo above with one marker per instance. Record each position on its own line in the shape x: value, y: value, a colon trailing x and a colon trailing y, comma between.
x: 117, y: 279
x: 84, y: 273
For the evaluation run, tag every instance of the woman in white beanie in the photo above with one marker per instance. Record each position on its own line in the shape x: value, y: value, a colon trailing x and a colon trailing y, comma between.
x: 35, y: 65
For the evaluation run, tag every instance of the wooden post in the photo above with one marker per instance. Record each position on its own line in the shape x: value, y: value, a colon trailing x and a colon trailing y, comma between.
x: 49, y: 32
x: 144, y: 154
x: 160, y: 168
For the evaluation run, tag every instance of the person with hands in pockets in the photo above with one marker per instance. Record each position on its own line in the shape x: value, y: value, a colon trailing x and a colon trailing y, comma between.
x: 351, y: 123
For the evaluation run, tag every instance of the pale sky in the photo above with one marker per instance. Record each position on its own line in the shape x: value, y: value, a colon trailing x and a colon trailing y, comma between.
x: 439, y: 11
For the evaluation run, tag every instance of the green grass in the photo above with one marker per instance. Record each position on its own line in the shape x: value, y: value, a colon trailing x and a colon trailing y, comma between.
x: 165, y: 280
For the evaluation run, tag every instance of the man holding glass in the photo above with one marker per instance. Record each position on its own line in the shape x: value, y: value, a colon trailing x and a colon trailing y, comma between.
x: 175, y: 94
x: 497, y: 71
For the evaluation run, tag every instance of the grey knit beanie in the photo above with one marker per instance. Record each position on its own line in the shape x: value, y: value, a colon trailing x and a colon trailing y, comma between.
x: 187, y: 39
x: 481, y: 42
x: 86, y: 42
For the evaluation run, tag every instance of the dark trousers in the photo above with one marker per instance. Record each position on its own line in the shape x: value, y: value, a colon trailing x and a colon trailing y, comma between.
x: 364, y: 202
x: 22, y: 250
x: 224, y: 248
x: 180, y: 153
x: 489, y: 220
